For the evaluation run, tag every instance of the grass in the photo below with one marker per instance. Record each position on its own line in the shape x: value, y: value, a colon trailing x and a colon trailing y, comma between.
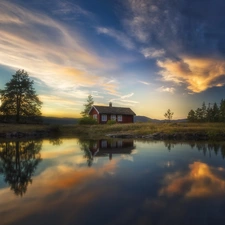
x: 98, y: 131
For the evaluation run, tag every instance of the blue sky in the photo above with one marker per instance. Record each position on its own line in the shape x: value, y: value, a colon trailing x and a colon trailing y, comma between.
x: 150, y: 55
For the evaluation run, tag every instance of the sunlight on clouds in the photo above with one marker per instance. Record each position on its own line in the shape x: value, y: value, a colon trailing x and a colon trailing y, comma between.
x: 55, y: 105
x: 46, y: 48
x: 200, y: 181
x: 75, y: 75
x: 198, y: 73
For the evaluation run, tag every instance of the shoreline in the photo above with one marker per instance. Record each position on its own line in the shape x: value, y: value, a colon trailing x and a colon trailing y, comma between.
x: 178, y: 136
x: 146, y: 131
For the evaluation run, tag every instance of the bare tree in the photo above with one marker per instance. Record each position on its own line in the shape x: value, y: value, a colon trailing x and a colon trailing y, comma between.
x: 169, y: 115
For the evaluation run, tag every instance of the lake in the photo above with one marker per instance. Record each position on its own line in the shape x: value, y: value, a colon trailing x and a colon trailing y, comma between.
x: 104, y: 182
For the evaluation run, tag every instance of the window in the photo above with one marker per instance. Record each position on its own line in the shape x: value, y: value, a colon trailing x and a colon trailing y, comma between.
x: 104, y: 144
x: 120, y: 143
x: 119, y: 118
x: 113, y: 117
x: 104, y: 117
x: 95, y: 116
x: 113, y: 144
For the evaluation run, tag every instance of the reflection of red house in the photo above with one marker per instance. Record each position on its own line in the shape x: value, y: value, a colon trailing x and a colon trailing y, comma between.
x: 110, y: 147
x: 105, y: 113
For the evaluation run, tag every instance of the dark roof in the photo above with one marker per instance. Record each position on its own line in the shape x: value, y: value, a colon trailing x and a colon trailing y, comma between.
x: 114, y: 110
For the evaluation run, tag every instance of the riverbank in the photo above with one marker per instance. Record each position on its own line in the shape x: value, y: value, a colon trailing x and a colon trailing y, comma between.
x: 159, y: 131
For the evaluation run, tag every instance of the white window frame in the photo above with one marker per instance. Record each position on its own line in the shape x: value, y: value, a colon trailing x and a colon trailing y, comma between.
x: 119, y: 118
x: 104, y: 117
x: 113, y: 117
x: 95, y: 116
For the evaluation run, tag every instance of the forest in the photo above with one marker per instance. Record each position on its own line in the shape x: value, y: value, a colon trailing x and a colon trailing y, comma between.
x: 211, y: 113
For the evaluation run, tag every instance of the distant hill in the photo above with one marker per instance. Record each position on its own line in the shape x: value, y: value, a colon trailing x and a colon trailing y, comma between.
x: 59, y: 121
x: 68, y: 121
x: 145, y: 119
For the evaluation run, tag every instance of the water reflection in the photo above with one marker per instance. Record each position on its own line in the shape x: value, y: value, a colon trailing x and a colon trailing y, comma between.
x: 200, y: 180
x: 18, y: 163
x: 105, y: 148
x: 205, y: 147
x: 165, y: 183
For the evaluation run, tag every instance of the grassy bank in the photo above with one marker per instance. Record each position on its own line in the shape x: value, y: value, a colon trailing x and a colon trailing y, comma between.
x: 97, y: 131
x: 143, y: 129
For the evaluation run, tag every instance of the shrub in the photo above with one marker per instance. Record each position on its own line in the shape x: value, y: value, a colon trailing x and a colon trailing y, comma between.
x: 111, y: 122
x: 87, y: 121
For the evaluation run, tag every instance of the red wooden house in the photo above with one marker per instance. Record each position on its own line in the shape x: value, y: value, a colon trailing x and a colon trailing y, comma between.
x: 105, y: 113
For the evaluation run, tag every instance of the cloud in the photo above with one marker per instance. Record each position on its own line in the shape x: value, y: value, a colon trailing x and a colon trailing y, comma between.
x: 144, y: 82
x: 42, y: 45
x: 50, y: 50
x: 152, y: 53
x: 127, y: 96
x: 150, y: 20
x: 124, y: 100
x: 173, y: 29
x: 198, y: 74
x: 200, y: 181
x: 71, y: 10
x: 120, y: 37
x: 166, y: 89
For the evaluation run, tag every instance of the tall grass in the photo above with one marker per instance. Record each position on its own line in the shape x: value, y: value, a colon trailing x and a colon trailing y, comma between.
x: 133, y: 128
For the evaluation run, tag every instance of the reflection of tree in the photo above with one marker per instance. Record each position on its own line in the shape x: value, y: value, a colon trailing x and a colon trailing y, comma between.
x: 169, y: 145
x: 56, y: 141
x: 85, y: 146
x: 19, y: 161
x: 205, y: 147
x: 211, y: 146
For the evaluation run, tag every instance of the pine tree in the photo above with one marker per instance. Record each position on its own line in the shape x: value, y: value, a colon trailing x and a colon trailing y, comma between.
x: 87, y: 106
x: 19, y: 99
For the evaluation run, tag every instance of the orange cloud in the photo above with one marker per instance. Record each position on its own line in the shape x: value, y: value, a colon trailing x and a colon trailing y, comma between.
x: 200, y: 181
x: 198, y: 73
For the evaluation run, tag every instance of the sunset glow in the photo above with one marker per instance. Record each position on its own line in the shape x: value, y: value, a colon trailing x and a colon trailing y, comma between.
x: 147, y: 55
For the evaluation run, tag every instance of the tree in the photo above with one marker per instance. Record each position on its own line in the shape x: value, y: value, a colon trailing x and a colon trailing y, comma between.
x: 19, y: 98
x: 204, y: 112
x: 191, y: 116
x: 216, y: 112
x: 88, y: 105
x: 169, y: 115
x: 222, y: 110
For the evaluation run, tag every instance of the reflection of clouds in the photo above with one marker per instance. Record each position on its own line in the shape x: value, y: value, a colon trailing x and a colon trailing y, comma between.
x: 200, y: 181
x: 57, y: 183
x: 127, y: 157
x: 167, y: 163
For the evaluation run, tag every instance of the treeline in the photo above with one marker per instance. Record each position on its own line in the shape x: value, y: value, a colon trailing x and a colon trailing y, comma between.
x: 210, y: 113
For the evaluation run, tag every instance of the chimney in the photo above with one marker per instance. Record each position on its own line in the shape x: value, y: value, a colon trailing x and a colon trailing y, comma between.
x: 110, y: 104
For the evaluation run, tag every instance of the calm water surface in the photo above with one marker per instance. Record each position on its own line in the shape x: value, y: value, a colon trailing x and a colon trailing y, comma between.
x: 71, y: 181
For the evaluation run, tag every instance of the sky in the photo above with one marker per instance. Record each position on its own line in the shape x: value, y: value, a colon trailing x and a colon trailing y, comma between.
x: 149, y: 55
